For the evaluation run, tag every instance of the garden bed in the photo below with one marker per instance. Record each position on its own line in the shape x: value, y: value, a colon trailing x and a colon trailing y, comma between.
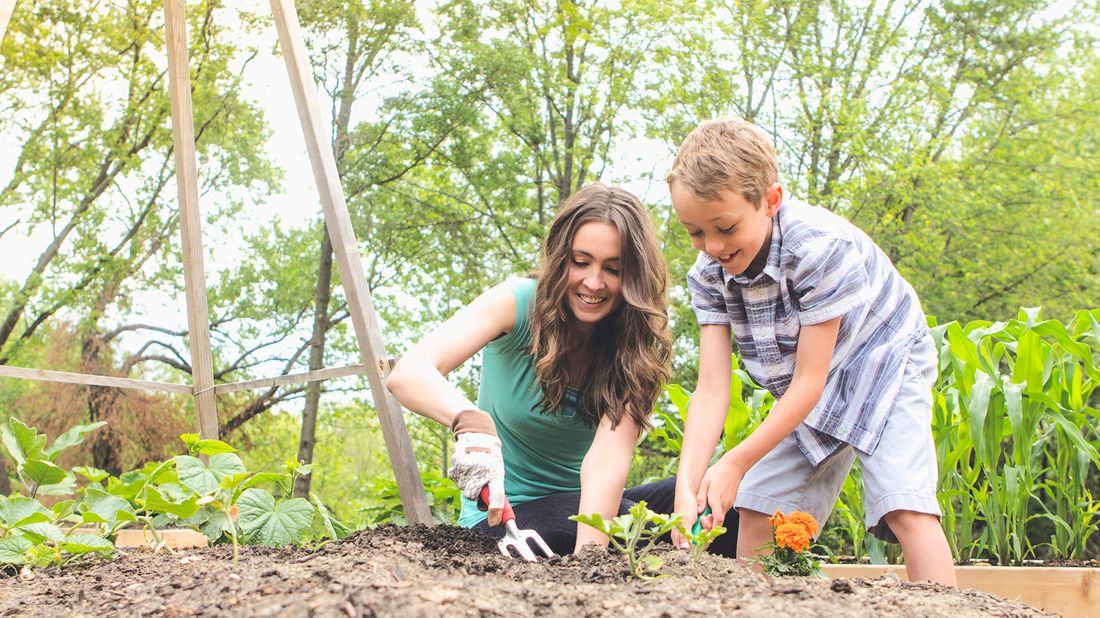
x: 417, y: 571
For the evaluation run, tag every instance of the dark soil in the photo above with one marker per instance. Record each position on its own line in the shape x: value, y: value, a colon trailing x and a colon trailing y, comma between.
x: 418, y: 571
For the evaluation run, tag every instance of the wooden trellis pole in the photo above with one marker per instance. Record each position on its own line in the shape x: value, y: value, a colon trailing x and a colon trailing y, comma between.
x: 346, y: 250
x: 194, y: 274
x: 7, y: 7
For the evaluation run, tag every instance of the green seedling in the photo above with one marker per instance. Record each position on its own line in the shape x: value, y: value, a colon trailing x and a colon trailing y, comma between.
x: 634, y: 534
x: 700, y: 538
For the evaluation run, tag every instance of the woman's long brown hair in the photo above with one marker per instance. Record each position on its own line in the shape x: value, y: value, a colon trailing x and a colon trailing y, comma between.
x: 630, y: 350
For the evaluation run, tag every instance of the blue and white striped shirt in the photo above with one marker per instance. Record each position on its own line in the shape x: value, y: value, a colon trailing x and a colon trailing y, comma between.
x: 819, y: 267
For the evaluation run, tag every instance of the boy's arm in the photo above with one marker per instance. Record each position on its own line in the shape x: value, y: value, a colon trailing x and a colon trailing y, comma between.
x: 706, y: 415
x: 815, y: 351
x: 603, y: 475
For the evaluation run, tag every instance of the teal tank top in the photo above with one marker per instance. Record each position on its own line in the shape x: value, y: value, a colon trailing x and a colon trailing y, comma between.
x: 542, y: 452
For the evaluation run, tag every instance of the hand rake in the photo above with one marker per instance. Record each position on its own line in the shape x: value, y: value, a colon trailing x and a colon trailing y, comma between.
x: 514, y: 538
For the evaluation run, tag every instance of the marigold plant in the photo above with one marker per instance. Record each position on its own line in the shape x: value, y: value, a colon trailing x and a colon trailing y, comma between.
x: 790, y: 545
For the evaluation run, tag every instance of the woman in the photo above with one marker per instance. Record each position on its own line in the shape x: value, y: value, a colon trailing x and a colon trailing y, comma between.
x: 572, y: 363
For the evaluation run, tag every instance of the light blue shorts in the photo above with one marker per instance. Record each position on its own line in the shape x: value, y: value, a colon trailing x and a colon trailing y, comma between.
x: 900, y: 475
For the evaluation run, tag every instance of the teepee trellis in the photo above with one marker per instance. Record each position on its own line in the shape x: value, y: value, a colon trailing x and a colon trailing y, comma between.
x: 338, y: 222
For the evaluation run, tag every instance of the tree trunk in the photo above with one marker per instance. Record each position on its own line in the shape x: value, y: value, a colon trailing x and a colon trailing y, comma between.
x: 316, y: 361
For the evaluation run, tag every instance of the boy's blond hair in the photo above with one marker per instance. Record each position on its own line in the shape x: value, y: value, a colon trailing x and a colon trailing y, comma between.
x: 725, y: 153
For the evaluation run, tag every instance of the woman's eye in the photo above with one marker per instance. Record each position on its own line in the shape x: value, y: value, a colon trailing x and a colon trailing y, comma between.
x: 579, y: 263
x: 614, y: 271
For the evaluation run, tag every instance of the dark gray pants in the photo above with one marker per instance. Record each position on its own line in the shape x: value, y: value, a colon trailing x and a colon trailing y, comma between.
x: 549, y: 517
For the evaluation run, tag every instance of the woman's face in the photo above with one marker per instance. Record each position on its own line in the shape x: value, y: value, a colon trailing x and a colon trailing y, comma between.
x: 595, y: 270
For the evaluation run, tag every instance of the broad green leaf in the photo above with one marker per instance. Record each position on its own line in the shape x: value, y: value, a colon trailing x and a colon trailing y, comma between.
x: 21, y: 441
x: 190, y: 439
x: 202, y: 478
x: 211, y: 447
x: 42, y: 532
x: 270, y: 523
x: 19, y: 510
x: 104, y: 507
x: 43, y: 472
x: 72, y: 437
x: 333, y: 529
x: 157, y: 503
x: 86, y: 543
x: 92, y: 474
x: 13, y: 549
x: 217, y: 525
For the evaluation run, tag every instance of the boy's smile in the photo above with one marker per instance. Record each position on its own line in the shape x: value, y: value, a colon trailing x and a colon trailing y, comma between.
x: 731, y: 229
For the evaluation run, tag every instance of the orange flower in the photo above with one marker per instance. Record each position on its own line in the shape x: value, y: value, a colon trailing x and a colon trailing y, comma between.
x: 792, y: 536
x: 805, y: 520
x: 778, y: 519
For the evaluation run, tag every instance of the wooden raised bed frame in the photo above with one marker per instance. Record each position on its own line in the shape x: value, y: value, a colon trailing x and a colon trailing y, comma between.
x: 1069, y: 591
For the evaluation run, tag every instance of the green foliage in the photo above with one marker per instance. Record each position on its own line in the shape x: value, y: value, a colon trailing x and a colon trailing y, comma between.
x: 30, y: 533
x: 1015, y: 424
x: 634, y: 534
x: 785, y: 562
x: 444, y: 500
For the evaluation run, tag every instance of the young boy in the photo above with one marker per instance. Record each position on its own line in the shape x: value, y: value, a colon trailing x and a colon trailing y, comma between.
x: 823, y: 321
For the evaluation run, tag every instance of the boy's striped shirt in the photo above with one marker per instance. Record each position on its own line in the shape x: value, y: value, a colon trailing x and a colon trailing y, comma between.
x: 819, y: 267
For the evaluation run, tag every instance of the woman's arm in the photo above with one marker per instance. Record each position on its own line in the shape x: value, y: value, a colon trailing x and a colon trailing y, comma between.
x: 418, y: 381
x: 603, y: 475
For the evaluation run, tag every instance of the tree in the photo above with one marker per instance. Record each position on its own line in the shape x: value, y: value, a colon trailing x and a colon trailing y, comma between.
x: 86, y: 92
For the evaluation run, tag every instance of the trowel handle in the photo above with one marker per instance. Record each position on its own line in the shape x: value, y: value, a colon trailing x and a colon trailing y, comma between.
x: 483, y: 504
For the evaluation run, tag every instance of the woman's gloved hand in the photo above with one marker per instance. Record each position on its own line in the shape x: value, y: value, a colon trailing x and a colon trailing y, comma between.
x: 477, y: 461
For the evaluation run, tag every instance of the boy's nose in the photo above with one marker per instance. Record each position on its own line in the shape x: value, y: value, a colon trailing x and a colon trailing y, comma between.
x: 714, y: 246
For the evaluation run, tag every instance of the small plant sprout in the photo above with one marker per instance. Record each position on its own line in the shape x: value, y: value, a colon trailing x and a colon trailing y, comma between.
x: 700, y: 538
x: 634, y: 534
x: 790, y: 545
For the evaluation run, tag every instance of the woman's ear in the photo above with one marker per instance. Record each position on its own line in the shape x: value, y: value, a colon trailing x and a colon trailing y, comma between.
x: 773, y: 197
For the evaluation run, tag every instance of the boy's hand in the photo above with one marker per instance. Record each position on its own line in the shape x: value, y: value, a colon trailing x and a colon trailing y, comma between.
x: 719, y: 488
x: 689, y: 507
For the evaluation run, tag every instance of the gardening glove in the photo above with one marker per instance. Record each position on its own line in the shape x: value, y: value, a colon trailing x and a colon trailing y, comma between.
x: 477, y: 461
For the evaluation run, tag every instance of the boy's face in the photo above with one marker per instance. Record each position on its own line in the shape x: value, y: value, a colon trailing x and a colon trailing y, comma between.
x: 731, y: 229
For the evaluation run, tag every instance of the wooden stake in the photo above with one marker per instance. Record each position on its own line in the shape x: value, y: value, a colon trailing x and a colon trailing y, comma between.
x: 7, y: 7
x: 194, y: 276
x: 367, y: 332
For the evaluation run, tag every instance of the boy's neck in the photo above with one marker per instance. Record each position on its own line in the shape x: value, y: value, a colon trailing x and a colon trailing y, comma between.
x: 761, y: 259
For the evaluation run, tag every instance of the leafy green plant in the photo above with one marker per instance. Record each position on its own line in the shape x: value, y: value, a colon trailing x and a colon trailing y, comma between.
x: 633, y: 534
x: 699, y: 538
x: 30, y: 533
x: 234, y: 505
x: 444, y: 500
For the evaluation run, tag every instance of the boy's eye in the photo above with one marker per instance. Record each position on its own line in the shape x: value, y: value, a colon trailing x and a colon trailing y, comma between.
x: 695, y: 234
x: 726, y: 230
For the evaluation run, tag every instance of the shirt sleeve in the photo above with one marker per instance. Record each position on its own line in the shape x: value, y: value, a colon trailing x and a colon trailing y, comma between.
x: 705, y: 287
x: 830, y: 279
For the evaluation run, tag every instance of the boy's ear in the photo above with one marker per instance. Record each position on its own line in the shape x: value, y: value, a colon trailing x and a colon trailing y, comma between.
x: 773, y: 197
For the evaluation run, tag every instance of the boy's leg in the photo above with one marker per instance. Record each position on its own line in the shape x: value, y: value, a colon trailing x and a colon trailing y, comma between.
x: 927, y: 554
x: 900, y: 476
x: 785, y: 480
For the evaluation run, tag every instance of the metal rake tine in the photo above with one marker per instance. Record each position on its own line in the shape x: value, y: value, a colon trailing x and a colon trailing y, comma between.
x: 513, y: 539
x: 534, y: 536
